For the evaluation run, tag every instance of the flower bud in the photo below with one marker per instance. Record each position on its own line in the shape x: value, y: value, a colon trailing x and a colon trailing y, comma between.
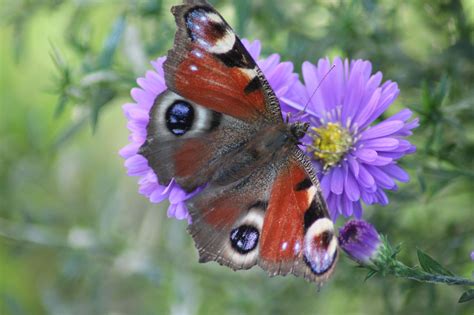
x: 359, y: 240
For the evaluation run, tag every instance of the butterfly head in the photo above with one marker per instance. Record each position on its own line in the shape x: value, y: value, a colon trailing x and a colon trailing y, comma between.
x: 298, y: 129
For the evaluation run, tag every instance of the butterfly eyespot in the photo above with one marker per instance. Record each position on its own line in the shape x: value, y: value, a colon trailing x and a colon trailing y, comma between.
x: 322, y: 240
x: 244, y: 238
x: 179, y: 117
x: 320, y: 246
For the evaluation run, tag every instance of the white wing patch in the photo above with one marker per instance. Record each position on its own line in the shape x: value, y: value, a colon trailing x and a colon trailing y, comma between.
x: 223, y: 45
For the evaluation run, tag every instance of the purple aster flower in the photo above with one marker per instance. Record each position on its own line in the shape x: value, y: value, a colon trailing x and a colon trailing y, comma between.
x: 472, y: 255
x: 280, y: 75
x: 359, y: 240
x: 356, y: 159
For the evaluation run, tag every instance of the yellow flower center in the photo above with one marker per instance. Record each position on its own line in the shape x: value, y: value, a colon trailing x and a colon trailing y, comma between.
x: 330, y: 143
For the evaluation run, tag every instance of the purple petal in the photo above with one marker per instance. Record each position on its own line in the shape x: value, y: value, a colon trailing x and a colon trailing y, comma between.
x: 336, y: 82
x: 325, y: 92
x: 144, y: 98
x: 365, y: 178
x: 269, y: 63
x: 148, y: 184
x: 402, y: 115
x: 357, y: 209
x: 180, y: 211
x: 403, y: 145
x: 171, y: 186
x: 390, y: 92
x: 332, y: 205
x: 158, y: 194
x: 158, y: 66
x: 137, y: 165
x: 337, y: 180
x: 368, y: 197
x: 133, y: 111
x: 298, y: 106
x: 338, y: 203
x: 366, y: 155
x: 151, y: 83
x: 347, y: 208
x: 381, y: 160
x: 254, y: 48
x: 177, y: 195
x: 354, y: 165
x: 413, y: 124
x: 396, y: 172
x: 382, y: 129
x: 311, y: 82
x: 372, y: 84
x: 364, y: 115
x: 380, y: 144
x: 354, y: 91
x: 351, y: 188
x: 381, y: 178
x: 392, y: 155
x: 381, y: 197
x: 326, y: 185
x: 172, y: 210
x: 129, y: 150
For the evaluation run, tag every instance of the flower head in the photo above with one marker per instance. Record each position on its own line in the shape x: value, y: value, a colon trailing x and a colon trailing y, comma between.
x: 359, y: 240
x: 280, y: 75
x: 472, y: 255
x: 355, y: 157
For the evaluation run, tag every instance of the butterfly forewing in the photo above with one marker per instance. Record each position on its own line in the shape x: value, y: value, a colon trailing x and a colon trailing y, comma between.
x: 191, y: 143
x: 210, y: 66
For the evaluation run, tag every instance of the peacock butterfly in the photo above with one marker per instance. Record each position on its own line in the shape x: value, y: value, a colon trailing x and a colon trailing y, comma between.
x: 219, y: 126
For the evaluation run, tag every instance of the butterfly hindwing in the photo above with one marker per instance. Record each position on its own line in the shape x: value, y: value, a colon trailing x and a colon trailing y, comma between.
x: 275, y: 218
x: 227, y: 221
x: 298, y: 237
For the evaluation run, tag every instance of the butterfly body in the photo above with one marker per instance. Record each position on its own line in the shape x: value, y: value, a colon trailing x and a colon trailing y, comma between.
x: 219, y: 128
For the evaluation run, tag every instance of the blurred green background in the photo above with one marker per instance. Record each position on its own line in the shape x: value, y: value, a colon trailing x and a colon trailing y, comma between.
x: 77, y: 238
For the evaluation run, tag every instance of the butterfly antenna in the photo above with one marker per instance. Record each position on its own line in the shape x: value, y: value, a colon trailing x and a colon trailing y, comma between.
x: 301, y: 112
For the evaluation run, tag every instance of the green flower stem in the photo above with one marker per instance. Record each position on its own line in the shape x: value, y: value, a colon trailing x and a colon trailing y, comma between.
x: 429, y: 271
x: 400, y: 270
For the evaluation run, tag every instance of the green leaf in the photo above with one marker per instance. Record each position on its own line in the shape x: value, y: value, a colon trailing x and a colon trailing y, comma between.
x: 152, y: 8
x: 430, y: 265
x: 467, y: 296
x: 62, y: 102
x: 111, y: 43
x: 370, y: 274
x: 425, y: 98
x: 101, y: 96
x: 441, y: 91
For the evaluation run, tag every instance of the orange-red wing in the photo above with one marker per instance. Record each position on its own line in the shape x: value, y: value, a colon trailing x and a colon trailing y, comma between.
x: 275, y: 218
x: 209, y: 65
x: 283, y: 229
x: 297, y: 235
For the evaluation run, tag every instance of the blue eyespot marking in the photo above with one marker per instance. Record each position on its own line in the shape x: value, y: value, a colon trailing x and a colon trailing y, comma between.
x: 179, y: 117
x: 244, y: 238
